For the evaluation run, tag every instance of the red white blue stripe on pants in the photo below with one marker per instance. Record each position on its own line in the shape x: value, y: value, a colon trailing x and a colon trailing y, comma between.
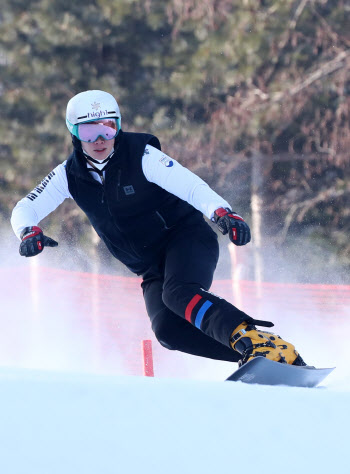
x: 196, y: 317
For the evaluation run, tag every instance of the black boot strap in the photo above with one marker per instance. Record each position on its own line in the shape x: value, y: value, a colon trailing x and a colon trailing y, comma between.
x: 259, y: 322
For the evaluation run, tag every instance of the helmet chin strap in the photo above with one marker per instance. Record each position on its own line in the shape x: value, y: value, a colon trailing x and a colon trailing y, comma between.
x: 98, y: 162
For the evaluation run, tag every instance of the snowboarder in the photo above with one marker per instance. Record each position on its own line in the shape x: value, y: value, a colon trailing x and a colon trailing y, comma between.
x: 148, y: 210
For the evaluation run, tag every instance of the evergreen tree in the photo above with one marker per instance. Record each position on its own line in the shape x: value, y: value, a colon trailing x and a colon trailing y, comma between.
x: 215, y: 79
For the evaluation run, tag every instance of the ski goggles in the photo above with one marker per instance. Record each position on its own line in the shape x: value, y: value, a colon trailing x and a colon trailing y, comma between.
x: 90, y: 131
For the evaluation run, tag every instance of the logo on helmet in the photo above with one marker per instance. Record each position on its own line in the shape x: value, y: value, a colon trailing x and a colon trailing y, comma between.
x: 96, y: 105
x: 97, y: 115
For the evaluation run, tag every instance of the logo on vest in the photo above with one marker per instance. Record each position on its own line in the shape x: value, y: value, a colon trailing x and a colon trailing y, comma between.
x: 128, y: 190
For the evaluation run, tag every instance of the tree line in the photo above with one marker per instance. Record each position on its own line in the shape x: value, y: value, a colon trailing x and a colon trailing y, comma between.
x: 216, y: 80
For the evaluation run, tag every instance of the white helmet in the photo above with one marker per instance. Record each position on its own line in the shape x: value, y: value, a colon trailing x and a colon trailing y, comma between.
x: 89, y: 106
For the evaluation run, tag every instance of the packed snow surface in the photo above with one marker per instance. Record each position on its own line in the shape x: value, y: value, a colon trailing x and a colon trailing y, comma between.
x: 73, y: 400
x: 67, y: 423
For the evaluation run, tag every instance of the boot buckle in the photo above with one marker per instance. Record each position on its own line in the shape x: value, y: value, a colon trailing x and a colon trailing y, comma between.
x: 237, y: 335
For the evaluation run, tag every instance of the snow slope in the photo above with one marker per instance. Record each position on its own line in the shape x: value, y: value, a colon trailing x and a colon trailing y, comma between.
x: 70, y: 423
x: 69, y: 407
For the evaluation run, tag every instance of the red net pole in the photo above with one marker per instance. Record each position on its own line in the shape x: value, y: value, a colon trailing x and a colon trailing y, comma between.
x: 147, y: 357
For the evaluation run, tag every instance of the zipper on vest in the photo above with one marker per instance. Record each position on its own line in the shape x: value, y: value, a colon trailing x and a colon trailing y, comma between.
x: 118, y: 183
x: 162, y: 219
x: 103, y: 182
x: 100, y: 173
x: 103, y: 189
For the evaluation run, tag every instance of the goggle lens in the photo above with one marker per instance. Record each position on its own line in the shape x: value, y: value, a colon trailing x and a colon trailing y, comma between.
x: 90, y: 131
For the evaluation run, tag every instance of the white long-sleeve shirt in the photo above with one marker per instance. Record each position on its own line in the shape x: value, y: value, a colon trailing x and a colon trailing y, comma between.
x: 157, y: 167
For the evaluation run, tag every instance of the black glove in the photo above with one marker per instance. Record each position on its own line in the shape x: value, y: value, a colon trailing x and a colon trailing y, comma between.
x: 233, y: 224
x: 34, y: 241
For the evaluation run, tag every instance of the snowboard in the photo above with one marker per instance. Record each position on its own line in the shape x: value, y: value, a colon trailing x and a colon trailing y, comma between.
x: 268, y: 372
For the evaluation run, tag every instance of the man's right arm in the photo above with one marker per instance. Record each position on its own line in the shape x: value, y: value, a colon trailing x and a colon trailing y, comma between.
x: 40, y: 202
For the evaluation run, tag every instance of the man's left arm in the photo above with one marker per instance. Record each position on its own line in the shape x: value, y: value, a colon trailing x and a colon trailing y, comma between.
x: 170, y: 175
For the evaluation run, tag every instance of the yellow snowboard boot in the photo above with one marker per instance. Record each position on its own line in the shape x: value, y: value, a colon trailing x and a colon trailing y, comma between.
x: 250, y: 342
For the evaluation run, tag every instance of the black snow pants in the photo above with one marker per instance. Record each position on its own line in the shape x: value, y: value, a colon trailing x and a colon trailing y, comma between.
x: 185, y: 316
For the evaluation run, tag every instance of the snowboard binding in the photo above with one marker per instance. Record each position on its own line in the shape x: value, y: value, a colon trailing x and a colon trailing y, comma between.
x: 251, y: 343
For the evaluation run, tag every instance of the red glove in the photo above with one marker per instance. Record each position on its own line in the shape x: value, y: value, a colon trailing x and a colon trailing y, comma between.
x: 233, y: 224
x: 34, y: 241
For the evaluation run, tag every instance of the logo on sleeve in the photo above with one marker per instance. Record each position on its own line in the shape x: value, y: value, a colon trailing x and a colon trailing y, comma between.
x: 166, y: 161
x: 40, y: 188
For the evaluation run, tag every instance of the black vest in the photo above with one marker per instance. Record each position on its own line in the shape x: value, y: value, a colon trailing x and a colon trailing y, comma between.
x: 131, y: 215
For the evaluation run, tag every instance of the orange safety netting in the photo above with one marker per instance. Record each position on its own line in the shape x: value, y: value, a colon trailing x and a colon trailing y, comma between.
x: 108, y: 312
